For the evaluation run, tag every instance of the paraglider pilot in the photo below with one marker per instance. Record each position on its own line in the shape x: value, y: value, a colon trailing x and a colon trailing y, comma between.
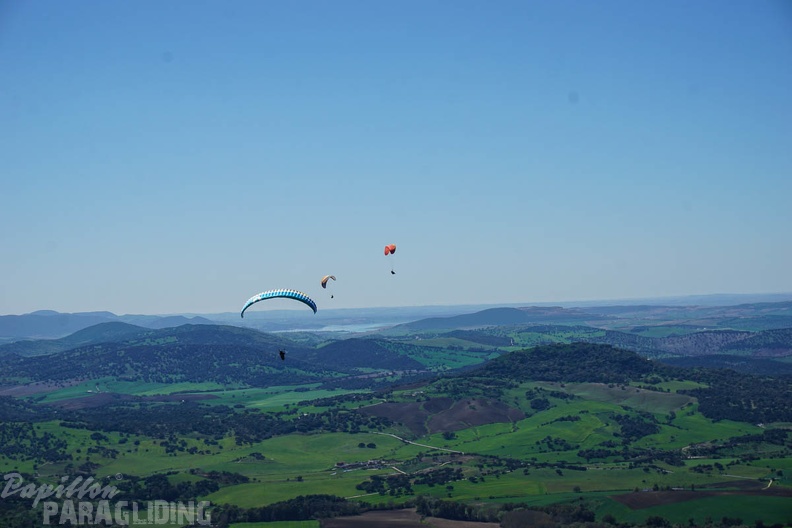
x: 282, y: 354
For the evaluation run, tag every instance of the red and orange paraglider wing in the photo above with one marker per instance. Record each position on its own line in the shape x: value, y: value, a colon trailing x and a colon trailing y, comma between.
x: 390, y: 249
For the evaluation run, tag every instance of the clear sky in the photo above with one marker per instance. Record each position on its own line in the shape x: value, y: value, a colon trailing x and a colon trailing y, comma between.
x: 180, y: 156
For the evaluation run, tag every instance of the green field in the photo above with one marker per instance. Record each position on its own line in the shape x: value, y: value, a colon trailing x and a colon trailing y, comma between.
x: 560, y: 420
x: 305, y: 464
x: 136, y: 388
x: 270, y: 398
x: 750, y: 509
x: 661, y: 330
x: 435, y: 355
x: 274, y: 398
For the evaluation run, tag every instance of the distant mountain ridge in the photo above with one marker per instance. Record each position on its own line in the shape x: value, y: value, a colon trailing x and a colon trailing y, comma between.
x: 48, y: 324
x: 100, y: 333
x: 501, y: 317
x: 196, y: 353
x: 698, y: 343
x: 227, y: 355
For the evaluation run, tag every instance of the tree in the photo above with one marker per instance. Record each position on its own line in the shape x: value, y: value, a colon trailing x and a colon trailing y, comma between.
x: 658, y: 522
x: 540, y: 404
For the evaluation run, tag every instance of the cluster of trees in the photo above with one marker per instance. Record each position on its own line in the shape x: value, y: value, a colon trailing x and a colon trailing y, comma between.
x: 17, y: 512
x: 555, y: 444
x: 540, y: 404
x: 743, y: 397
x: 439, y: 476
x: 394, y: 484
x: 634, y: 427
x: 14, y: 410
x: 335, y: 401
x: 736, y: 445
x: 458, y: 511
x: 472, y: 385
x: 248, y: 426
x: 159, y: 487
x: 169, y: 362
x: 302, y: 508
x: 349, y: 355
x: 508, y: 514
x: 636, y: 456
x: 577, y: 362
x: 107, y: 452
x: 402, y: 484
x: 567, y: 418
x: 21, y: 441
x: 540, y: 392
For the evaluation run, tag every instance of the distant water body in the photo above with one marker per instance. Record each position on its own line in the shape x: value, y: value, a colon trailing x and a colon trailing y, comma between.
x: 349, y: 329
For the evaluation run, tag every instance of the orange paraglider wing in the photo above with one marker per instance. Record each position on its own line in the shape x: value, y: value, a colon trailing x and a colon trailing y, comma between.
x: 392, y: 248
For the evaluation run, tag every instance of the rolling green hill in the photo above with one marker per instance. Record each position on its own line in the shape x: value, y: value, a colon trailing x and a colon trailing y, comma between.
x: 100, y: 333
x: 580, y: 424
x: 745, y: 364
x: 190, y: 353
x: 497, y: 317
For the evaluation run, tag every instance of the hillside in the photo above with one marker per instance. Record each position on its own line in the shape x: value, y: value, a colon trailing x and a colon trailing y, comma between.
x: 100, y: 333
x: 696, y: 343
x: 747, y: 316
x: 358, y: 353
x: 48, y: 324
x: 574, y: 362
x: 769, y: 344
x: 225, y: 355
x: 499, y: 317
x: 574, y: 428
x: 194, y: 353
x: 226, y: 364
x: 744, y: 364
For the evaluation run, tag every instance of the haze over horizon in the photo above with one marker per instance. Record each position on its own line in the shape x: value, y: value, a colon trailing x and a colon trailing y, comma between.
x: 267, y: 310
x: 180, y: 158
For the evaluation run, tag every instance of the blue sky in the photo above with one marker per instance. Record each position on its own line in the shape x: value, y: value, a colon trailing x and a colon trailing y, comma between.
x: 164, y: 157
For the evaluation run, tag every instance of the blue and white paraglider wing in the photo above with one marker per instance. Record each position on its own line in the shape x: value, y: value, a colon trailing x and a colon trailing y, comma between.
x: 286, y: 294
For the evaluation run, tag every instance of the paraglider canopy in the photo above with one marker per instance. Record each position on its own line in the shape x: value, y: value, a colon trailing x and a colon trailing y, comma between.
x: 325, y: 279
x: 273, y: 294
x: 390, y: 249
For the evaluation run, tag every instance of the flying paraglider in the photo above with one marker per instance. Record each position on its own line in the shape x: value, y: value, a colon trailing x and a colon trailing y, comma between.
x: 286, y: 294
x: 324, y: 281
x: 390, y: 249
